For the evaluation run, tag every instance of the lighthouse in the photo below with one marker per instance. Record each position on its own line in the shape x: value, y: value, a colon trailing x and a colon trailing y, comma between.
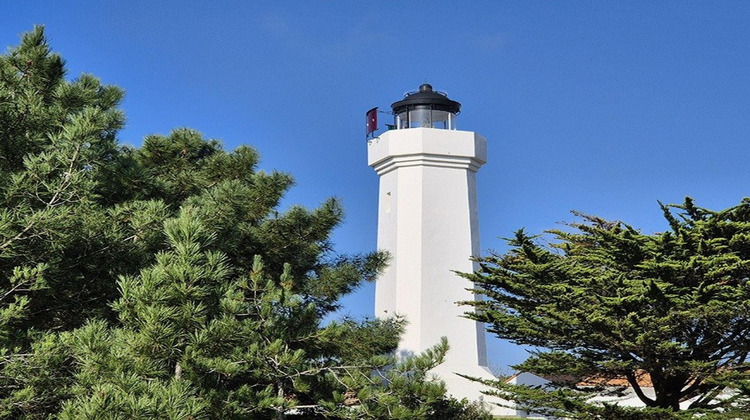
x: 428, y: 223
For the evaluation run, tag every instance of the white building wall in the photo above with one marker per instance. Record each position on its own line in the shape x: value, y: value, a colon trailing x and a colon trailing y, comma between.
x: 428, y: 222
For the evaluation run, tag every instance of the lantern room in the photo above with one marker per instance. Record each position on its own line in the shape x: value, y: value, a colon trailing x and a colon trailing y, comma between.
x: 426, y: 108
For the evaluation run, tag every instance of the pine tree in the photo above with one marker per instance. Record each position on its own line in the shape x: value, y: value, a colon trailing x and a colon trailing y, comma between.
x: 164, y: 281
x: 55, y: 137
x: 605, y: 301
x: 214, y: 342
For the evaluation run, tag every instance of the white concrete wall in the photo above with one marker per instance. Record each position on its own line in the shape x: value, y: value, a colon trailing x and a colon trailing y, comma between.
x: 428, y: 221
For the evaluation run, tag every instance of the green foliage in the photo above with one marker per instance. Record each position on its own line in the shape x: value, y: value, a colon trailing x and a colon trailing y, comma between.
x: 610, y: 302
x: 239, y: 345
x: 55, y: 137
x: 164, y: 282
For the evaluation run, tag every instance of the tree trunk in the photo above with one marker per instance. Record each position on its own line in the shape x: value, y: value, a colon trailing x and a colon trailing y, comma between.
x: 280, y: 412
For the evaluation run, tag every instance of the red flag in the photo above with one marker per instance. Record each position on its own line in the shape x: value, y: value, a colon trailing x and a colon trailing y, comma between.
x: 372, y: 120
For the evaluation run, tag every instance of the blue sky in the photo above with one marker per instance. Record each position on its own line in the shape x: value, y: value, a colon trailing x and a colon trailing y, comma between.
x: 599, y: 106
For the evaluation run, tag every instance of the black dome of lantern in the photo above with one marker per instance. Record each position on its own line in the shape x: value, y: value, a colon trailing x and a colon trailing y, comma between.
x: 426, y: 97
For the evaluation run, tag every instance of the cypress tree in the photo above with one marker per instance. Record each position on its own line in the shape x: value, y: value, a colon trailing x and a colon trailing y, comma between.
x: 604, y: 301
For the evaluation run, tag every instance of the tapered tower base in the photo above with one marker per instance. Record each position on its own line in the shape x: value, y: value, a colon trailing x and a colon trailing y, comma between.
x: 427, y: 221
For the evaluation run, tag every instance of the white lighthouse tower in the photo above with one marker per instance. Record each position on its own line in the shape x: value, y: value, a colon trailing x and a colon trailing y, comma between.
x: 427, y: 221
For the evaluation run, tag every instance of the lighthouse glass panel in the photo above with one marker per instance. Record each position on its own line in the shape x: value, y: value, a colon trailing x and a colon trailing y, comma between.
x: 420, y: 117
x: 425, y: 118
x: 402, y: 121
x: 443, y: 120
